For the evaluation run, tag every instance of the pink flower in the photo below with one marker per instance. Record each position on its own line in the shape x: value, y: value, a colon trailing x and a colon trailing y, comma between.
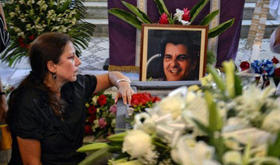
x: 163, y: 19
x: 113, y: 109
x: 186, y: 16
x: 102, y: 122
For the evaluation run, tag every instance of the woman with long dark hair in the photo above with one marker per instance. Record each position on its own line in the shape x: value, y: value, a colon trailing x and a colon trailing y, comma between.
x: 46, y: 112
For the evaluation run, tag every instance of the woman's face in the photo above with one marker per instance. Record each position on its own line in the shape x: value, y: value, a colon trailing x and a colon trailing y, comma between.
x: 176, y: 62
x: 67, y: 67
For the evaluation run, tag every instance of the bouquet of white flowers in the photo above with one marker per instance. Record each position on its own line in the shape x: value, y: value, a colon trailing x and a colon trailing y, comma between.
x: 27, y: 19
x: 219, y: 123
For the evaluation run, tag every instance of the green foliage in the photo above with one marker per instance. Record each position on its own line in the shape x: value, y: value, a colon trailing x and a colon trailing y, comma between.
x: 217, y: 79
x: 207, y: 19
x: 197, y: 9
x: 211, y: 58
x: 137, y: 12
x: 220, y: 28
x: 127, y: 17
x: 27, y: 19
x: 92, y: 147
x: 273, y: 149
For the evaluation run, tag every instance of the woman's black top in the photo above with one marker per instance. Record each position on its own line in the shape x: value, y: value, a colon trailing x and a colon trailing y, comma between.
x: 32, y: 118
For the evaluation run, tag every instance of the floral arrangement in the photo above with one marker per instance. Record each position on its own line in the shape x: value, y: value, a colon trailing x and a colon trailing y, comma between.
x: 184, y: 17
x: 27, y: 19
x: 101, y: 114
x: 141, y: 101
x: 265, y: 68
x: 219, y: 123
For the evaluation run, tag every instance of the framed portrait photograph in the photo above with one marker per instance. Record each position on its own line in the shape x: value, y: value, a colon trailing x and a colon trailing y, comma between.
x: 173, y: 52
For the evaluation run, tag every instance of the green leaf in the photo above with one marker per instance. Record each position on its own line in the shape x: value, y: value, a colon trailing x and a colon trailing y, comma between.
x: 143, y: 16
x: 161, y: 7
x: 92, y: 147
x: 117, y: 137
x: 197, y: 8
x: 94, y: 157
x: 201, y: 126
x: 218, y: 80
x: 126, y: 16
x: 207, y: 19
x: 237, y: 85
x: 211, y: 58
x: 220, y: 28
x: 215, y: 120
x: 273, y: 149
x: 229, y: 71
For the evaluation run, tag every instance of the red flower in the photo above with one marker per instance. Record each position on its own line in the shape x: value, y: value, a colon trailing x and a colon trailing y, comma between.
x: 91, y: 110
x: 186, y: 16
x: 277, y: 72
x: 163, y: 19
x: 244, y: 65
x: 88, y: 129
x: 142, y: 99
x: 156, y: 99
x: 31, y: 37
x: 275, y: 60
x: 91, y: 118
x: 102, y: 100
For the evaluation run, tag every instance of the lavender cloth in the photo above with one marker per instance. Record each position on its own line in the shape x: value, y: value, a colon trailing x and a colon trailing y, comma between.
x: 123, y: 36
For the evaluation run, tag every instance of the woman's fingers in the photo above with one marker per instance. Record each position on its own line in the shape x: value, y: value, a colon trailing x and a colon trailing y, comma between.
x: 126, y: 93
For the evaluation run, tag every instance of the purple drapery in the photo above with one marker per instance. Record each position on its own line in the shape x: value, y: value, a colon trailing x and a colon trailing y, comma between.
x: 123, y: 36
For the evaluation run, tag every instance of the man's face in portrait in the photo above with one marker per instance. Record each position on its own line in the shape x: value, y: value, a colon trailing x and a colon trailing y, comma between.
x: 176, y: 62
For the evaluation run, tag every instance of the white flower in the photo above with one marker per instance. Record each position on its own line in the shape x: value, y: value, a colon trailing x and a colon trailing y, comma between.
x: 139, y: 145
x: 144, y: 122
x: 190, y: 152
x: 173, y: 105
x: 94, y: 99
x: 271, y: 122
x: 235, y: 123
x: 232, y: 157
x: 252, y: 136
x: 12, y: 14
x: 178, y: 15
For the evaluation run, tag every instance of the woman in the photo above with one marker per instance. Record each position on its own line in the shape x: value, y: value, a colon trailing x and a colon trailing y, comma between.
x: 46, y: 112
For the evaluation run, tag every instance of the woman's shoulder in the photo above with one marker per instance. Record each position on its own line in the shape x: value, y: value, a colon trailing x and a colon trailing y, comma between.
x: 27, y: 94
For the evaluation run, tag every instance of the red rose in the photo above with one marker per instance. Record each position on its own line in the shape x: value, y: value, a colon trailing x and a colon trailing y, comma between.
x: 88, y: 129
x: 163, y: 19
x: 156, y: 99
x: 275, y: 60
x: 277, y: 72
x: 91, y: 110
x: 244, y: 65
x: 91, y: 118
x: 102, y: 100
x: 31, y: 37
x: 186, y: 16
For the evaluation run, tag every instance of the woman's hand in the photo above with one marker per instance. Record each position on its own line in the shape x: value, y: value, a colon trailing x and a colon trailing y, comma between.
x: 125, y: 91
x: 117, y: 79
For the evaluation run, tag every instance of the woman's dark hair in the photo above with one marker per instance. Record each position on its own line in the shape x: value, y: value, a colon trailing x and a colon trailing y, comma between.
x: 46, y: 47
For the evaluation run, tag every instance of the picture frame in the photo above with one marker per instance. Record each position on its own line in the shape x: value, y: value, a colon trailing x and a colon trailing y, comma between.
x: 173, y: 52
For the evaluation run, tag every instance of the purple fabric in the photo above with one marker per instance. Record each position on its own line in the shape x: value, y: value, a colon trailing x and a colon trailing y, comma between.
x: 122, y: 35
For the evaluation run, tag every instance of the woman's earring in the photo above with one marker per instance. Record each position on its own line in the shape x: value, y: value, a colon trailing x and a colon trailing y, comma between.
x: 53, y: 76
